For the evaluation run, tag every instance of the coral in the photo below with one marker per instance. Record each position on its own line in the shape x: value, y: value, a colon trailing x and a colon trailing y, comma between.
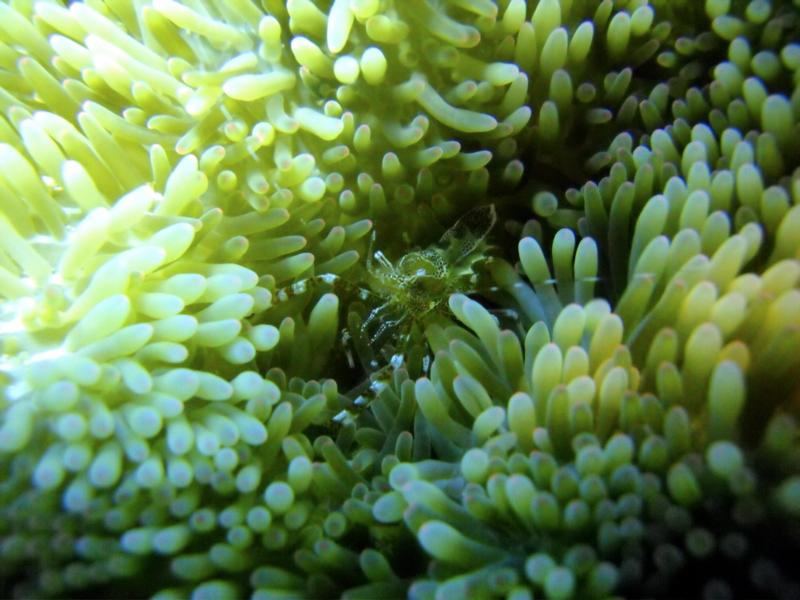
x: 385, y: 298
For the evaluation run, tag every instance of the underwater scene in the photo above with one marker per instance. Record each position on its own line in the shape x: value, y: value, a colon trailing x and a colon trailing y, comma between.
x: 376, y: 299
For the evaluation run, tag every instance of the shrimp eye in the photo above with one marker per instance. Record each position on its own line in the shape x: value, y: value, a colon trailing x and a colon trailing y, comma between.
x: 416, y: 265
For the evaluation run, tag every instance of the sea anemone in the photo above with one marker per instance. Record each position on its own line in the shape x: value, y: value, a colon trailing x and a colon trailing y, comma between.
x: 255, y: 342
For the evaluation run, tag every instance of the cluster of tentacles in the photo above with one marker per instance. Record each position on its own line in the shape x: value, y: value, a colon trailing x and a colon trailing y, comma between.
x: 192, y: 196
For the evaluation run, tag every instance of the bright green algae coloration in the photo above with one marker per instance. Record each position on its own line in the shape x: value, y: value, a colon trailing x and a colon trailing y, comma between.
x: 210, y: 209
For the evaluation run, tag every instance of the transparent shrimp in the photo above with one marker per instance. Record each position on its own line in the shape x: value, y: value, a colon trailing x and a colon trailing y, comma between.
x: 421, y: 282
x: 395, y: 302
